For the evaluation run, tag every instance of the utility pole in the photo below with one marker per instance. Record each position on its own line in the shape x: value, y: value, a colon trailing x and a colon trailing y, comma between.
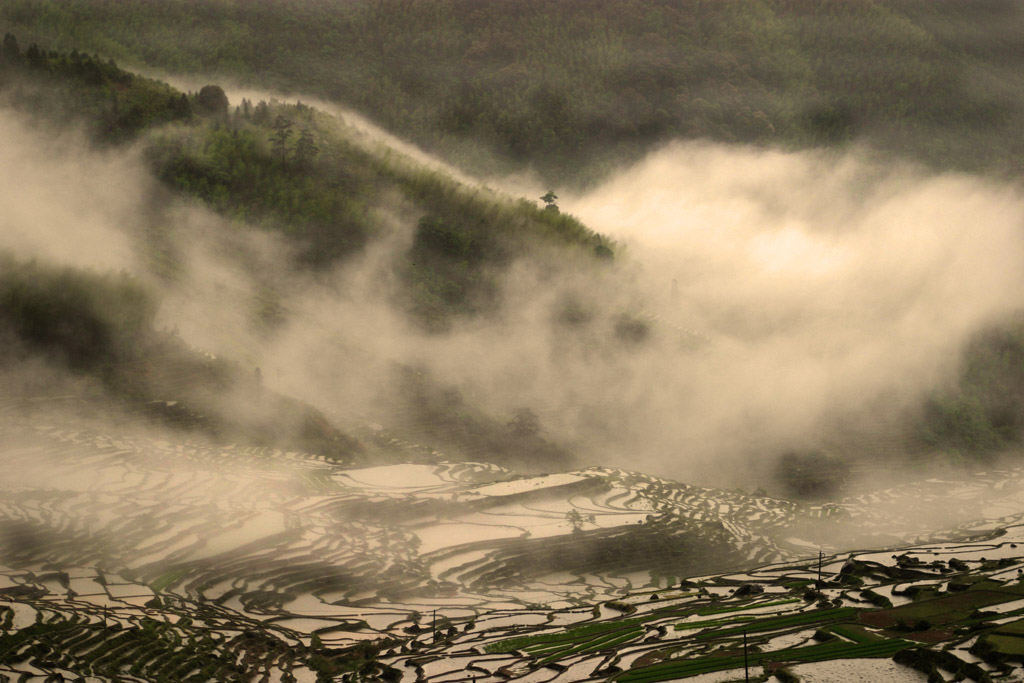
x: 746, y: 668
x: 434, y: 626
x: 819, y: 567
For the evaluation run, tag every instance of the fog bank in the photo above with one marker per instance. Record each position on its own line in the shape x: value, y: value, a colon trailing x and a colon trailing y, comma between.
x: 830, y: 285
x: 766, y: 300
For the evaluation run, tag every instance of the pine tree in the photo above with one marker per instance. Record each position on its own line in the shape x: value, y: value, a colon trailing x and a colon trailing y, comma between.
x: 9, y: 50
x: 282, y: 131
x: 305, y: 149
x: 261, y: 113
x: 34, y: 56
x: 181, y: 108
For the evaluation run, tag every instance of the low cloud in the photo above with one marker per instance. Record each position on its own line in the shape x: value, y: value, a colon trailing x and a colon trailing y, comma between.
x: 63, y: 204
x: 765, y: 300
x: 830, y: 286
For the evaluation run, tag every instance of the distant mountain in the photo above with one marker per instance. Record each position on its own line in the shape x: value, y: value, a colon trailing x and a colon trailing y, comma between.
x: 573, y: 88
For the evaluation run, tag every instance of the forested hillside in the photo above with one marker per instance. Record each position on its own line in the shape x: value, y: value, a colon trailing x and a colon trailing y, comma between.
x: 297, y: 175
x: 292, y: 170
x: 571, y: 88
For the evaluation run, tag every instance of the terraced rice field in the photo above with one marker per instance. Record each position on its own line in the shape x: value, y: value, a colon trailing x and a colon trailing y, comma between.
x: 165, y: 559
x: 772, y: 617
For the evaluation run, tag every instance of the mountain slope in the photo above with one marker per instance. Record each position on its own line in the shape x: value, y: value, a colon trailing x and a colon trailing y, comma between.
x: 571, y: 87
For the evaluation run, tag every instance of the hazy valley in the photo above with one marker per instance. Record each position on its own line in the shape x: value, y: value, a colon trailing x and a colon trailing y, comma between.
x: 430, y: 342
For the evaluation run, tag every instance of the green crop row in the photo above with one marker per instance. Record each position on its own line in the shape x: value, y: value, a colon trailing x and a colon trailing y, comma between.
x: 568, y: 636
x: 801, y: 619
x: 683, y: 668
x: 167, y: 579
x: 688, y: 626
x: 533, y: 643
x: 743, y: 608
x: 549, y: 641
x: 856, y: 633
x: 609, y: 641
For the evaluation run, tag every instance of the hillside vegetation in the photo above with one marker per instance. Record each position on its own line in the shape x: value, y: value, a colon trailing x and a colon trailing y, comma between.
x: 295, y: 171
x: 983, y: 413
x: 289, y: 170
x: 101, y: 326
x: 571, y: 88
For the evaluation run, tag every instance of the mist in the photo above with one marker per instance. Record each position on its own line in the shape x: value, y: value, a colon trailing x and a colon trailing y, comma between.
x: 63, y: 206
x: 834, y: 288
x: 789, y: 300
x: 762, y: 300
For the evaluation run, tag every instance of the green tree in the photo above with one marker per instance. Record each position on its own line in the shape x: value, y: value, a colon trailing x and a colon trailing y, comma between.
x: 549, y: 201
x: 525, y: 423
x: 577, y: 520
x: 282, y: 131
x: 34, y: 56
x: 305, y: 149
x: 10, y: 50
x: 212, y: 100
x: 261, y: 113
x: 179, y: 107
